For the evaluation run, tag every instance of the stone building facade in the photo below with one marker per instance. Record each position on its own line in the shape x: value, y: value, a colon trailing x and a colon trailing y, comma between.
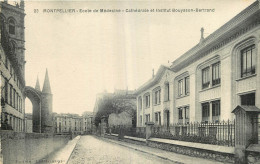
x: 12, y: 65
x: 207, y: 82
x: 66, y: 123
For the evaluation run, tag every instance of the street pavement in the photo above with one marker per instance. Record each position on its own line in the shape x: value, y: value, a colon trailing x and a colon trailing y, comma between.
x: 170, y: 156
x: 92, y: 150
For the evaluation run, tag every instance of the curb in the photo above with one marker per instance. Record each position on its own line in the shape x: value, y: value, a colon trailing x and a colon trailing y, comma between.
x: 146, y: 152
x: 73, y: 148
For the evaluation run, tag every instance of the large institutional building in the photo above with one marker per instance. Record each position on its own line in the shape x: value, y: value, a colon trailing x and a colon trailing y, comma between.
x: 207, y: 82
x: 12, y: 64
x: 66, y: 123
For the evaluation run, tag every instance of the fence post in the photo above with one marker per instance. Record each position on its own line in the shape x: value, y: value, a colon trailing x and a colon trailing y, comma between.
x: 244, y: 132
x: 149, y: 128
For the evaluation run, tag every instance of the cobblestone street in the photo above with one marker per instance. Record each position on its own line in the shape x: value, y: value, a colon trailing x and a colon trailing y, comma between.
x: 90, y: 149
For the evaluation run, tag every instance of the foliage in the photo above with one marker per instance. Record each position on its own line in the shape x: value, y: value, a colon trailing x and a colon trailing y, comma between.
x: 115, y: 104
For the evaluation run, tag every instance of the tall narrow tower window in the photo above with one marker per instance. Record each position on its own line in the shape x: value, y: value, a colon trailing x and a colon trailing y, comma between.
x: 11, y: 27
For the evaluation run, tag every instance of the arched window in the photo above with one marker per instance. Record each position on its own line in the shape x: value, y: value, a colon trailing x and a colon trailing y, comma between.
x: 11, y: 26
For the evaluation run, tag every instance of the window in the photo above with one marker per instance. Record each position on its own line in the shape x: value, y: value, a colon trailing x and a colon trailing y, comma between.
x: 158, y: 118
x: 167, y: 92
x: 157, y: 97
x: 180, y: 113
x: 205, y: 78
x: 216, y: 74
x: 180, y: 87
x: 187, y: 85
x: 6, y: 91
x: 147, y: 118
x: 147, y: 101
x: 184, y: 112
x: 205, y: 110
x: 216, y: 108
x: 14, y: 97
x: 248, y: 99
x: 187, y: 112
x: 11, y: 94
x: 11, y: 27
x: 184, y: 86
x: 140, y: 102
x: 141, y: 120
x: 248, y: 61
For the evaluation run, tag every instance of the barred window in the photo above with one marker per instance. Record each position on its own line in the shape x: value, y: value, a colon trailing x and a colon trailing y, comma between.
x: 248, y: 61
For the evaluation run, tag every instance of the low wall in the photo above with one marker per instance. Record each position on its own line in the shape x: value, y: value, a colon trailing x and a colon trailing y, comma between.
x: 113, y: 137
x: 253, y: 154
x: 29, y: 147
x: 194, y: 152
x: 212, y: 152
x: 134, y: 140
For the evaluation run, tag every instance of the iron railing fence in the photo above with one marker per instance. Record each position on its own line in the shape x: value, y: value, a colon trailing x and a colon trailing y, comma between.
x: 221, y: 133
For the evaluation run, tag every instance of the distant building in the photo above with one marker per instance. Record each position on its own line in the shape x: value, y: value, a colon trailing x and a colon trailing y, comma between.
x: 66, y: 123
x: 88, y: 121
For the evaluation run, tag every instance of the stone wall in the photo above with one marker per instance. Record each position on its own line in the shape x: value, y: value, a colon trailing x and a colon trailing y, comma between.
x: 213, y: 155
x: 29, y: 147
x: 253, y: 157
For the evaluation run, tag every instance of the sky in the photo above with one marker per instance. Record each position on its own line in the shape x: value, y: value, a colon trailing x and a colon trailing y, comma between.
x: 87, y: 53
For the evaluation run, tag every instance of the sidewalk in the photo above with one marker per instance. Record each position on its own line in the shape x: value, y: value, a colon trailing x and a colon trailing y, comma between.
x: 174, y: 157
x: 62, y: 156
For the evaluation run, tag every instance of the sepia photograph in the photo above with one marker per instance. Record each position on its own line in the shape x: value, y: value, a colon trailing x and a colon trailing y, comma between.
x: 130, y: 82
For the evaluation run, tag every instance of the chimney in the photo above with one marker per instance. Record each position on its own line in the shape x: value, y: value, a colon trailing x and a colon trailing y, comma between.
x: 22, y: 4
x: 153, y: 73
x: 202, y: 35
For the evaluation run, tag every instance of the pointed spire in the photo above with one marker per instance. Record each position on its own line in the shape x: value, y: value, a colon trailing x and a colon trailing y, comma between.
x: 46, y: 85
x: 37, y: 86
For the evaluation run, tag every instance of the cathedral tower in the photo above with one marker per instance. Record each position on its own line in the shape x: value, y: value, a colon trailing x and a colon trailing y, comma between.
x: 46, y: 108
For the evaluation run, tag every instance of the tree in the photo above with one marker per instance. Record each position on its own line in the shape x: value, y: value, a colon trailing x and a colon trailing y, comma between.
x: 116, y: 104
